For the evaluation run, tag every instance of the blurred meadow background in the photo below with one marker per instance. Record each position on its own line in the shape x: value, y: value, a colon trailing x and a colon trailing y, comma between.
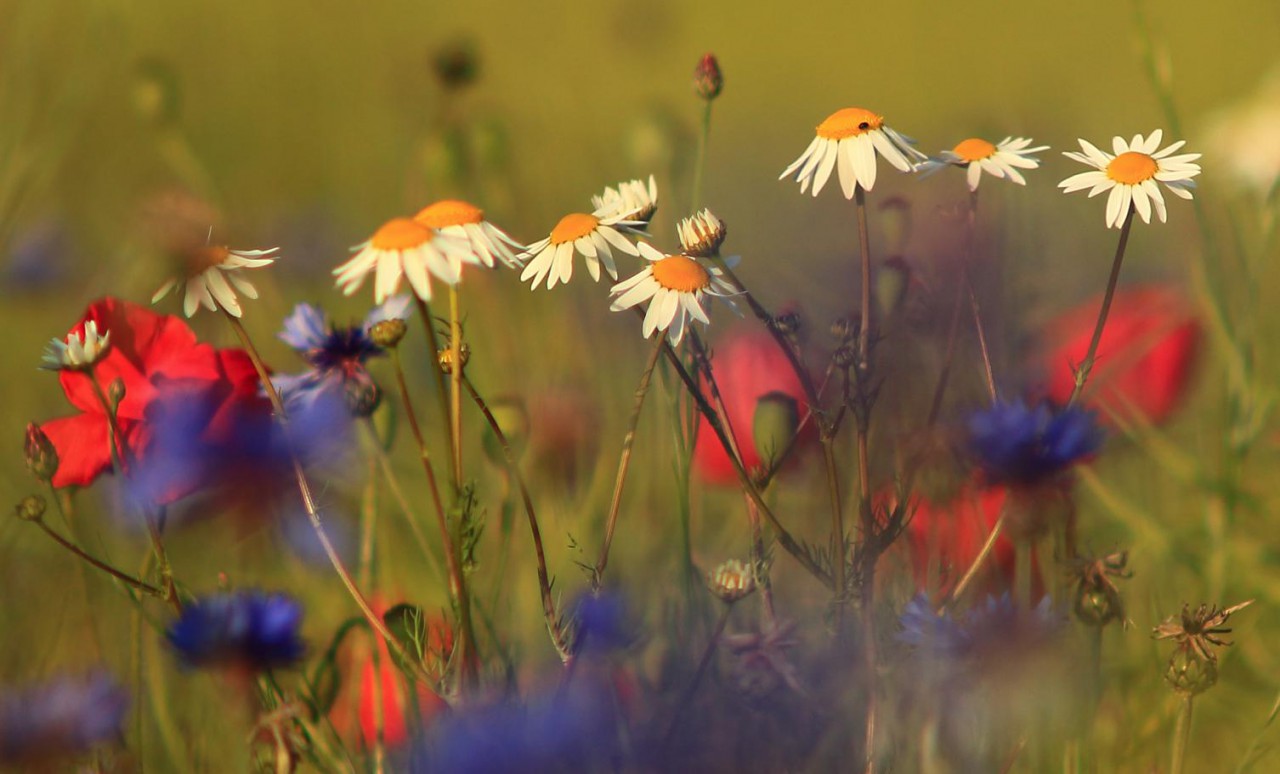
x: 307, y: 125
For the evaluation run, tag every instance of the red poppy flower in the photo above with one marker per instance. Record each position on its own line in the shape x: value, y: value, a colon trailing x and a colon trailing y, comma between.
x: 1145, y: 358
x: 158, y: 360
x: 951, y: 534
x: 746, y: 366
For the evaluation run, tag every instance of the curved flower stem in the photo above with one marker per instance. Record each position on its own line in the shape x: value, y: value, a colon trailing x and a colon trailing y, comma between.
x: 455, y: 386
x: 123, y: 577
x: 971, y: 245
x: 864, y: 250
x: 304, y: 487
x: 1181, y: 736
x: 974, y: 566
x: 424, y: 311
x: 1086, y: 365
x: 624, y: 462
x: 393, y: 484
x: 944, y: 375
x: 544, y: 579
x: 788, y: 543
x: 457, y: 581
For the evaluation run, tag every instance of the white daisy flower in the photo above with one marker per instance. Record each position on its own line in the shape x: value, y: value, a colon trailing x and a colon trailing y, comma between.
x: 460, y: 219
x: 677, y: 288
x: 702, y: 234
x: 849, y: 140
x: 591, y: 235
x: 1131, y: 175
x: 403, y: 246
x: 1002, y: 160
x: 634, y: 201
x: 76, y: 352
x: 212, y: 275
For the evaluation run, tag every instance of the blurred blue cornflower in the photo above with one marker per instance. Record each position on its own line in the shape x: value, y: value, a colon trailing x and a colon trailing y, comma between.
x: 64, y: 717
x: 602, y: 623
x: 1013, y: 443
x: 337, y: 355
x: 995, y: 623
x: 250, y: 629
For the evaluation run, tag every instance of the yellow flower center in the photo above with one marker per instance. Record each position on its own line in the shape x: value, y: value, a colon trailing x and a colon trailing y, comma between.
x: 573, y: 227
x: 205, y: 257
x: 401, y: 234
x: 1132, y: 168
x: 680, y: 273
x: 449, y: 212
x: 849, y: 122
x: 974, y: 149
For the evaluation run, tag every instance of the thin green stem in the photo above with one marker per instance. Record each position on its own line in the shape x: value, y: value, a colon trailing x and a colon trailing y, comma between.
x: 971, y: 245
x: 442, y: 394
x: 700, y: 165
x: 1181, y: 736
x: 393, y: 485
x: 456, y: 368
x: 1086, y: 365
x: 624, y: 461
x: 123, y: 577
x: 864, y: 250
x: 963, y: 584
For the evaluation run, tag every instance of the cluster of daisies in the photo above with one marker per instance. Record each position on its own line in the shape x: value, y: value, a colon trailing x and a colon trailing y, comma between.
x: 849, y: 141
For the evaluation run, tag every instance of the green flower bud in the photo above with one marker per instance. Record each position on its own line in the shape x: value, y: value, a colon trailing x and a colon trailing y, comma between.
x: 774, y: 424
x: 30, y: 508
x: 41, y: 456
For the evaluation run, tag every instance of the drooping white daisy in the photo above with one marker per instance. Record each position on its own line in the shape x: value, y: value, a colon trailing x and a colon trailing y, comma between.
x: 677, y: 288
x: 211, y: 275
x: 1131, y: 174
x: 591, y: 235
x: 848, y: 141
x: 633, y: 200
x: 702, y: 234
x: 466, y: 221
x: 1001, y: 160
x: 76, y: 352
x: 405, y: 247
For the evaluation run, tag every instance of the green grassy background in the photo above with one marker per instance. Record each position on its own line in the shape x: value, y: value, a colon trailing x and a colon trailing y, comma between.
x: 308, y: 124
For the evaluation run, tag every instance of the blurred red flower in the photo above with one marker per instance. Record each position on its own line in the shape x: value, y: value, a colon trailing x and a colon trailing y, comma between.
x: 156, y: 358
x: 746, y: 366
x: 952, y: 533
x: 1146, y: 356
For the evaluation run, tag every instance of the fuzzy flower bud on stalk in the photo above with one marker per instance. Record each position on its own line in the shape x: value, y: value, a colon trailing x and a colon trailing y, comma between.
x: 446, y: 358
x: 775, y: 422
x: 116, y: 391
x: 40, y: 454
x: 30, y: 508
x: 708, y: 81
x: 843, y: 329
x: 1098, y: 601
x: 732, y: 581
x: 388, y: 333
x: 456, y: 64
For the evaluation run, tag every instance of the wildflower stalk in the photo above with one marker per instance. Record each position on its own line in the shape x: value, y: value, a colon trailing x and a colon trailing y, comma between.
x: 700, y: 672
x: 1086, y: 365
x: 424, y: 312
x: 701, y: 163
x: 455, y: 386
x: 1181, y: 736
x: 963, y: 584
x: 967, y: 284
x: 624, y: 460
x: 123, y: 577
x: 364, y: 574
x: 393, y: 485
x: 457, y: 581
x: 304, y: 487
x: 544, y: 579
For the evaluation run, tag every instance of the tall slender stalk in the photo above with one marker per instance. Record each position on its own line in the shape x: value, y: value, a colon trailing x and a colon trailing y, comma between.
x: 700, y: 165
x: 123, y: 577
x: 624, y: 461
x: 971, y: 245
x: 1086, y: 365
x: 455, y: 386
x: 1181, y: 736
x: 442, y: 394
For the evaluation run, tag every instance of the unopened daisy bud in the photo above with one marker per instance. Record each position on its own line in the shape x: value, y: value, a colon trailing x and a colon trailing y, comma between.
x: 388, y: 333
x: 708, y: 81
x: 513, y: 420
x: 702, y: 234
x: 732, y: 581
x: 30, y: 508
x: 446, y: 358
x: 774, y: 424
x: 116, y: 391
x: 77, y: 352
x: 1189, y: 673
x: 40, y: 454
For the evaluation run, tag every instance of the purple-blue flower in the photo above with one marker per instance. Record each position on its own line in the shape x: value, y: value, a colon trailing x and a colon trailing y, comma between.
x: 992, y: 625
x: 250, y: 629
x: 337, y: 355
x: 1013, y: 443
x: 66, y: 716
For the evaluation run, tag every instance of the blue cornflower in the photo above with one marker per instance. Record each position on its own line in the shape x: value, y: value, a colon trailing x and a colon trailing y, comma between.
x: 337, y: 355
x: 1016, y: 444
x: 249, y: 629
x: 602, y: 623
x: 938, y: 634
x: 67, y: 716
x: 994, y: 624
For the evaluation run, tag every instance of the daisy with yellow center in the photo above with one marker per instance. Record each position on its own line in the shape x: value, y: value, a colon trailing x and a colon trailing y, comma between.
x: 677, y: 288
x: 1131, y: 175
x: 633, y: 200
x: 849, y: 141
x: 405, y: 247
x: 594, y: 236
x: 466, y: 221
x: 1001, y: 160
x: 211, y: 275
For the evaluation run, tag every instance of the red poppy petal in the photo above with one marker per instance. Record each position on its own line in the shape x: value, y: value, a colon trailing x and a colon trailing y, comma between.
x: 83, y: 453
